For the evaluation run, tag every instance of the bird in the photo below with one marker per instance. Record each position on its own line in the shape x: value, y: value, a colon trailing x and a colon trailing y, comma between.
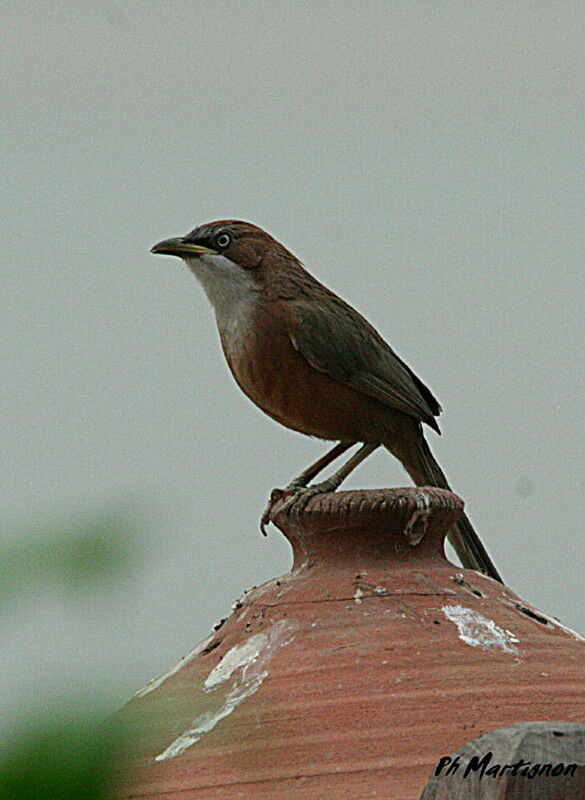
x: 314, y: 364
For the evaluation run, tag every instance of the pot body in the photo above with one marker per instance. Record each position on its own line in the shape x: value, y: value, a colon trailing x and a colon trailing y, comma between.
x: 352, y: 676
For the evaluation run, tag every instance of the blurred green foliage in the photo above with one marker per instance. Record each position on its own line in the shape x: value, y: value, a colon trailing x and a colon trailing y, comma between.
x: 74, y: 757
x: 74, y: 753
x: 72, y: 558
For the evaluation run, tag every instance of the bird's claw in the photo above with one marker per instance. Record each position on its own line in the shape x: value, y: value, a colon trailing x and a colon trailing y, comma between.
x: 265, y: 520
x: 295, y: 503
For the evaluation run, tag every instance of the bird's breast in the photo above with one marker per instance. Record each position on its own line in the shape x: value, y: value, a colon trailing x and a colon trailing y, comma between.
x: 280, y: 381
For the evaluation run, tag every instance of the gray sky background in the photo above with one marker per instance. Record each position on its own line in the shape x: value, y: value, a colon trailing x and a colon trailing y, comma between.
x: 425, y: 160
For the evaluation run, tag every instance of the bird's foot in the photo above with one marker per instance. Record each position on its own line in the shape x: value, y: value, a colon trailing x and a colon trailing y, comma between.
x: 295, y: 503
x: 300, y: 496
x: 418, y: 520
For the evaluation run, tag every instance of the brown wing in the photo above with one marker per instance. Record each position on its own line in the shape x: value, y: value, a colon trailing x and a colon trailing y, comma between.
x: 345, y: 346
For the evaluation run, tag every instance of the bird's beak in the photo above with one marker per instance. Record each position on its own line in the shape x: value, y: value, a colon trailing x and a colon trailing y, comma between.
x: 180, y: 247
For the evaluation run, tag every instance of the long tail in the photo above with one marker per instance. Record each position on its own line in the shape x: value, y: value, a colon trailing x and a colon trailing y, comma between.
x: 462, y: 536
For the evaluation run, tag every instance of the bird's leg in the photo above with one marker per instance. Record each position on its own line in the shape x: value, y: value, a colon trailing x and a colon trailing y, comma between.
x: 302, y: 495
x: 303, y: 479
x: 318, y: 466
x: 334, y: 481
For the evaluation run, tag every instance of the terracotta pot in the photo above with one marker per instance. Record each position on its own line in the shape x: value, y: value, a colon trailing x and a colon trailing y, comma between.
x: 352, y: 676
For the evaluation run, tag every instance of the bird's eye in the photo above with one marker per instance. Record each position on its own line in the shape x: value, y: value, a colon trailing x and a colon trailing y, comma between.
x: 223, y: 240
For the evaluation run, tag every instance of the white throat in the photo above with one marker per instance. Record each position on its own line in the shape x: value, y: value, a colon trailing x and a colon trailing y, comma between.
x: 230, y: 290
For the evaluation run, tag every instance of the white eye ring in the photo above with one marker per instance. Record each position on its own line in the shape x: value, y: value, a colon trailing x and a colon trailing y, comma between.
x: 223, y: 240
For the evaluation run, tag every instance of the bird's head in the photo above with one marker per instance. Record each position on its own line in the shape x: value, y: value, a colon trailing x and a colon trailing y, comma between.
x: 244, y: 245
x: 230, y: 258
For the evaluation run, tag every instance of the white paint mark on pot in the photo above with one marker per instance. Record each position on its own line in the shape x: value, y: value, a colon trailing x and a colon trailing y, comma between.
x: 237, y: 658
x: 207, y: 721
x: 246, y: 666
x: 420, y: 515
x: 479, y: 631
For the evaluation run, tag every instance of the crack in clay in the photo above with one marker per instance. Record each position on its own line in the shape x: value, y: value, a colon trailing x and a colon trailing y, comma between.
x: 544, y: 619
x: 376, y: 595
